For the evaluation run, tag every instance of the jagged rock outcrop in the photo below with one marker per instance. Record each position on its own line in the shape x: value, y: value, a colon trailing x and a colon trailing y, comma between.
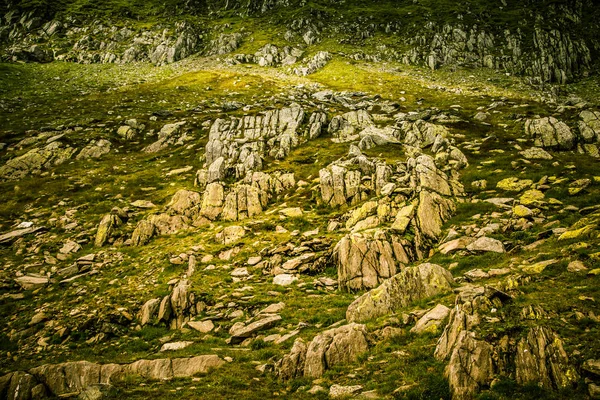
x: 470, y: 367
x: 181, y: 213
x: 188, y: 209
x: 337, y: 346
x: 314, y: 64
x: 88, y: 41
x: 353, y: 180
x: 244, y: 142
x: 174, y: 310
x: 537, y: 358
x: 589, y: 133
x: 346, y: 127
x: 108, y: 224
x: 35, y: 161
x: 224, y: 43
x: 269, y: 56
x: 410, y: 285
x: 541, y: 359
x: 72, y: 378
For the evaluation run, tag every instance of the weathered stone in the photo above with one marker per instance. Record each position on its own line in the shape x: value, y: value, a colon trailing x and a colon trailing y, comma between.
x: 592, y: 366
x: 456, y: 245
x: 514, y: 184
x: 411, y: 285
x: 174, y: 346
x: 336, y: 346
x: 143, y: 232
x: 95, y: 149
x: 212, y: 201
x: 550, y: 132
x: 187, y: 367
x: 470, y: 367
x: 106, y: 227
x: 230, y: 234
x: 431, y: 322
x: 30, y: 282
x: 343, y: 392
x: 536, y: 153
x: 363, y: 261
x: 69, y: 377
x: 292, y: 364
x: 346, y: 127
x: 486, y: 244
x: 284, y: 279
x: 36, y: 160
x: 148, y: 311
x: 542, y: 360
x: 241, y: 332
x: 201, y: 326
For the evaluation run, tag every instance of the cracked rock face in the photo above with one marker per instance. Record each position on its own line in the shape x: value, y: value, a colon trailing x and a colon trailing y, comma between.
x: 364, y: 261
x: 243, y: 142
x: 542, y: 360
x: 346, y: 127
x: 471, y: 366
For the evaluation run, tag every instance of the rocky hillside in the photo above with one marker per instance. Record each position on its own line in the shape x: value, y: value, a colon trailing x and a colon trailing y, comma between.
x: 548, y: 41
x: 299, y: 200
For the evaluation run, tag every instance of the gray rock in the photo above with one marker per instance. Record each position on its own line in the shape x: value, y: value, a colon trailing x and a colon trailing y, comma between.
x: 343, y: 392
x: 470, y: 367
x: 346, y: 127
x: 35, y: 161
x: 148, y: 311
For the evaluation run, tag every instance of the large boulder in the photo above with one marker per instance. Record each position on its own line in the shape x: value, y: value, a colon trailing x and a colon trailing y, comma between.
x: 420, y: 134
x: 550, y: 133
x: 589, y: 126
x: 212, y: 200
x: 339, y: 186
x: 96, y: 149
x: 66, y: 378
x: 337, y: 346
x: 411, y: 285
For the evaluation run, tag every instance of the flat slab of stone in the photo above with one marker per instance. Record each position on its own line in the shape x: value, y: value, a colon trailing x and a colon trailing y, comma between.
x: 29, y: 282
x: 202, y: 326
x: 431, y: 322
x: 239, y: 332
x: 174, y: 346
x: 486, y: 244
